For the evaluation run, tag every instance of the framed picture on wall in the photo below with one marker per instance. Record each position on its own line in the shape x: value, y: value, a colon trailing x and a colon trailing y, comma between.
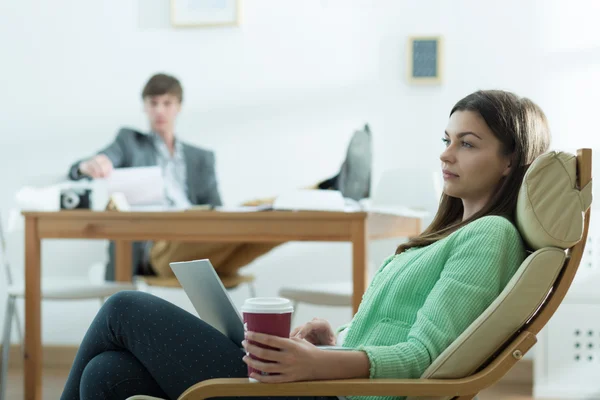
x: 425, y: 59
x: 205, y: 13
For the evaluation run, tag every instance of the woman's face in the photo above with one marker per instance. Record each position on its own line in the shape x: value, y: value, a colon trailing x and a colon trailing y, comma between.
x: 472, y: 163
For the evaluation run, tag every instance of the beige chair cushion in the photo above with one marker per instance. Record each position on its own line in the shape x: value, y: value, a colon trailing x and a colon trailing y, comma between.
x: 550, y: 218
x: 550, y: 207
x: 516, y: 304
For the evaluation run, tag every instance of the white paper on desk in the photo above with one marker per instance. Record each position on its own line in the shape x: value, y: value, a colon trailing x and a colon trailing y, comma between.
x: 140, y: 185
x: 315, y: 200
x: 398, y: 210
x: 38, y: 199
x: 244, y: 209
x: 156, y: 208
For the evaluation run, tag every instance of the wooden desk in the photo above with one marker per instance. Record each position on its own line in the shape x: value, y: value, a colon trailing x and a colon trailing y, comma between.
x: 192, y: 226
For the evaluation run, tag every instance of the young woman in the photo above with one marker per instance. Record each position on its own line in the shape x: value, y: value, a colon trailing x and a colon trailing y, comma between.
x: 421, y: 299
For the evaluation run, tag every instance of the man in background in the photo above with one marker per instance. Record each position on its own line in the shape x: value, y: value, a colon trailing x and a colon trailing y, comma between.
x: 190, y: 179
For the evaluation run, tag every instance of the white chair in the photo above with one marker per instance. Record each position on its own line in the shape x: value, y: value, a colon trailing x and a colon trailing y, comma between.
x: 396, y: 188
x: 52, y: 289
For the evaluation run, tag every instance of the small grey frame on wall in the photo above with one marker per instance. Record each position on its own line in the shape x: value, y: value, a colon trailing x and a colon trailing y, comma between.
x: 205, y: 13
x: 425, y: 59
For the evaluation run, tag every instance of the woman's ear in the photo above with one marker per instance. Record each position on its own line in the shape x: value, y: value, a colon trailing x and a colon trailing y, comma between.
x: 508, y: 166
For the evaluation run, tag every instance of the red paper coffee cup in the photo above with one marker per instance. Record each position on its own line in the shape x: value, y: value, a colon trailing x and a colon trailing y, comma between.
x: 268, y: 315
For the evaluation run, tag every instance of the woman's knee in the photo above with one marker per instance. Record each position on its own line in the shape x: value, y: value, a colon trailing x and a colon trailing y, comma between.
x: 123, y: 305
x: 115, y: 374
x: 126, y: 299
x: 97, y: 376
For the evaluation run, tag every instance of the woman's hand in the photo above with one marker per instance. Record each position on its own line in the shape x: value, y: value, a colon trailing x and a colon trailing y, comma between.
x: 318, y: 332
x: 297, y: 359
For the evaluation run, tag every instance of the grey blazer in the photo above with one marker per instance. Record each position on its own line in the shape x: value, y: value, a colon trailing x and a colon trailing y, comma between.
x: 135, y: 149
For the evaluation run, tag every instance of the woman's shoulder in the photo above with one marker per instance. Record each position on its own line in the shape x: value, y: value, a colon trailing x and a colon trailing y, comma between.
x: 492, y: 226
x: 494, y: 221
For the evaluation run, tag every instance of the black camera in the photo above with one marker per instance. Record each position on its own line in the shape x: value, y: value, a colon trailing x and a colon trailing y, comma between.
x: 75, y: 198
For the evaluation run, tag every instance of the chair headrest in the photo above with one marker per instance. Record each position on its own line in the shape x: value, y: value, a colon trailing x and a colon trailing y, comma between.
x: 550, y: 207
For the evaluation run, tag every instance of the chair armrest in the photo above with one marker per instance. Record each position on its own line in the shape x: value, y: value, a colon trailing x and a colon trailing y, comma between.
x: 234, y: 387
x: 463, y: 388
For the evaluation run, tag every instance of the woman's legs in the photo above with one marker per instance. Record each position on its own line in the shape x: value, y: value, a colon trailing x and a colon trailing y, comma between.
x: 174, y: 349
x: 141, y: 344
x: 117, y: 375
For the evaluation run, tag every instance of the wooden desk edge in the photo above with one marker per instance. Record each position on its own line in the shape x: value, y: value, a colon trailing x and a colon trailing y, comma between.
x: 321, y: 215
x: 86, y: 214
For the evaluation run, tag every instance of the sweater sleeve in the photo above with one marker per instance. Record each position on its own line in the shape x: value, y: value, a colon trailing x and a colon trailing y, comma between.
x: 115, y: 152
x: 482, y: 258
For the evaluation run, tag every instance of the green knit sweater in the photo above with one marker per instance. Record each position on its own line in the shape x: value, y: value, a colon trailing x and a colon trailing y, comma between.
x: 421, y: 300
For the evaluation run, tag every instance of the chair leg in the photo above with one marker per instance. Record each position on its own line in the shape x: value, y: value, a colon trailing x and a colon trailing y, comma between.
x: 10, y: 309
x: 19, y: 329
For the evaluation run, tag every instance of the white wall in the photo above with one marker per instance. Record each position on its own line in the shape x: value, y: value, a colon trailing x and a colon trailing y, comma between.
x: 277, y: 98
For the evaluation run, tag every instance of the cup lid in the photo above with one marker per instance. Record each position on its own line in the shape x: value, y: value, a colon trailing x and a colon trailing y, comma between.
x: 267, y: 305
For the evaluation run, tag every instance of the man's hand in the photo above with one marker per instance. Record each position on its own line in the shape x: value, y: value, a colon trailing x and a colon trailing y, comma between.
x: 318, y: 332
x: 99, y: 166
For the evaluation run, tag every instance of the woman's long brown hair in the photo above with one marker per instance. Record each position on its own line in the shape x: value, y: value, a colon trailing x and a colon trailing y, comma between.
x: 522, y: 129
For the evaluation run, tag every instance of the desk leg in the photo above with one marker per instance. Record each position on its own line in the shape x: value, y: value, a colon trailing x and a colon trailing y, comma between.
x: 33, y: 328
x: 123, y: 253
x: 359, y: 262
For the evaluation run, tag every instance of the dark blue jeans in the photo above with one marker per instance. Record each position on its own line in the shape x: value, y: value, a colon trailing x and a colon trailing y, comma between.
x: 141, y: 344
